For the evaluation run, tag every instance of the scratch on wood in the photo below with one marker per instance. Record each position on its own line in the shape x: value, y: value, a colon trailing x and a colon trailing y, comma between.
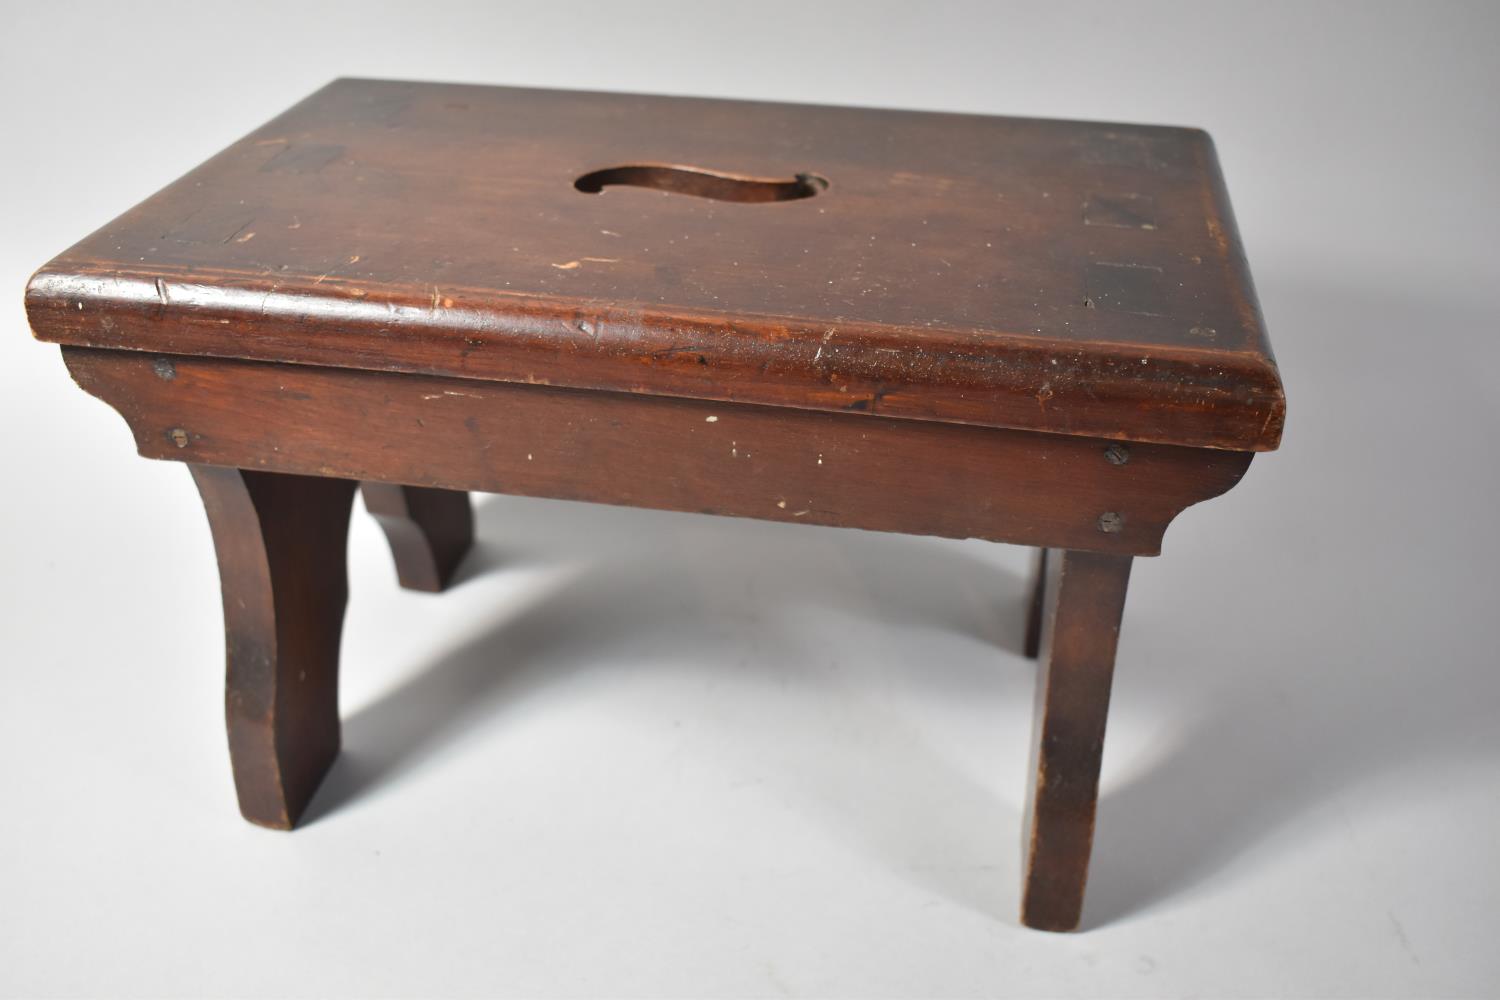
x: 235, y: 236
x: 574, y: 264
x: 826, y: 338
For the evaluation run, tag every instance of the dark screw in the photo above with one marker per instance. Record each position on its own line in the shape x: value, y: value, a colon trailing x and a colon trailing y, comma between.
x: 164, y: 369
x: 1117, y: 454
x: 1110, y: 522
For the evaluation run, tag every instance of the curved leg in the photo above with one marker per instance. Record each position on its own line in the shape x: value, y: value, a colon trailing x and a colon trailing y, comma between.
x: 281, y: 543
x: 429, y: 531
x: 1085, y: 599
x: 1034, y: 609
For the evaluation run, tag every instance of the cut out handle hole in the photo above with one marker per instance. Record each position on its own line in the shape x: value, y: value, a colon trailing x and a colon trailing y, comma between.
x: 703, y: 183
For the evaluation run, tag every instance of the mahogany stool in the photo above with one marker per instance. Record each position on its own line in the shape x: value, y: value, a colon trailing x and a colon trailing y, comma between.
x: 1036, y: 332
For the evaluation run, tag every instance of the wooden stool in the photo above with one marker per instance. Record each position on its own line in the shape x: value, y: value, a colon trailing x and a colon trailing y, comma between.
x: 1025, y: 331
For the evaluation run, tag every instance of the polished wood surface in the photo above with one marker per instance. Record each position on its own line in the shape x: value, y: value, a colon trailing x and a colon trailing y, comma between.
x: 1023, y: 331
x: 1080, y: 628
x: 429, y: 531
x: 280, y: 542
x: 1068, y: 277
x: 775, y: 464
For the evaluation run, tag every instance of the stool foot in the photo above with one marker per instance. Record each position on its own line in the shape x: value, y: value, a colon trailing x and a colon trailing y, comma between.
x: 429, y: 531
x: 1080, y: 626
x: 281, y: 542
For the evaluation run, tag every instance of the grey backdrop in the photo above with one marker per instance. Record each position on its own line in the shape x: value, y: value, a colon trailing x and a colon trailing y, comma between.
x: 640, y: 754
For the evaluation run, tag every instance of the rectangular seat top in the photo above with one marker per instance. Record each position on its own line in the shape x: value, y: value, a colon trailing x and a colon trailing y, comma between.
x: 1066, y: 277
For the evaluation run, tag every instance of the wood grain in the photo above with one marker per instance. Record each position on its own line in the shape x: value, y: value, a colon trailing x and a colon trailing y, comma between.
x: 1019, y: 330
x: 1070, y: 277
x: 775, y: 464
x: 429, y: 531
x: 281, y: 547
x: 1085, y: 601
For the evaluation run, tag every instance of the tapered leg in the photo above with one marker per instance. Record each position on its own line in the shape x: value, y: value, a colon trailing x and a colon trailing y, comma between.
x: 1085, y: 598
x: 429, y: 531
x: 1034, y: 608
x: 281, y: 542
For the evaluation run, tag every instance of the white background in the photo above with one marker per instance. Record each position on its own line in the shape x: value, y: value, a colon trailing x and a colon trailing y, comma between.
x: 641, y: 754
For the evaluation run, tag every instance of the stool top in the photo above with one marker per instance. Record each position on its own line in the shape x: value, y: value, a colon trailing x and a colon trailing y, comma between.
x: 1068, y: 277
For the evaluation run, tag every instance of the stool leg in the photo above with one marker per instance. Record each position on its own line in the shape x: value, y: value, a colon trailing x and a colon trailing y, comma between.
x: 281, y: 542
x: 1085, y: 598
x: 429, y: 531
x: 1034, y: 609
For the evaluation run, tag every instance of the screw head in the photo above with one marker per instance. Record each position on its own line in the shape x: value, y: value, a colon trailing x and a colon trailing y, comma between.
x: 178, y: 436
x: 1117, y: 454
x: 1111, y: 522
